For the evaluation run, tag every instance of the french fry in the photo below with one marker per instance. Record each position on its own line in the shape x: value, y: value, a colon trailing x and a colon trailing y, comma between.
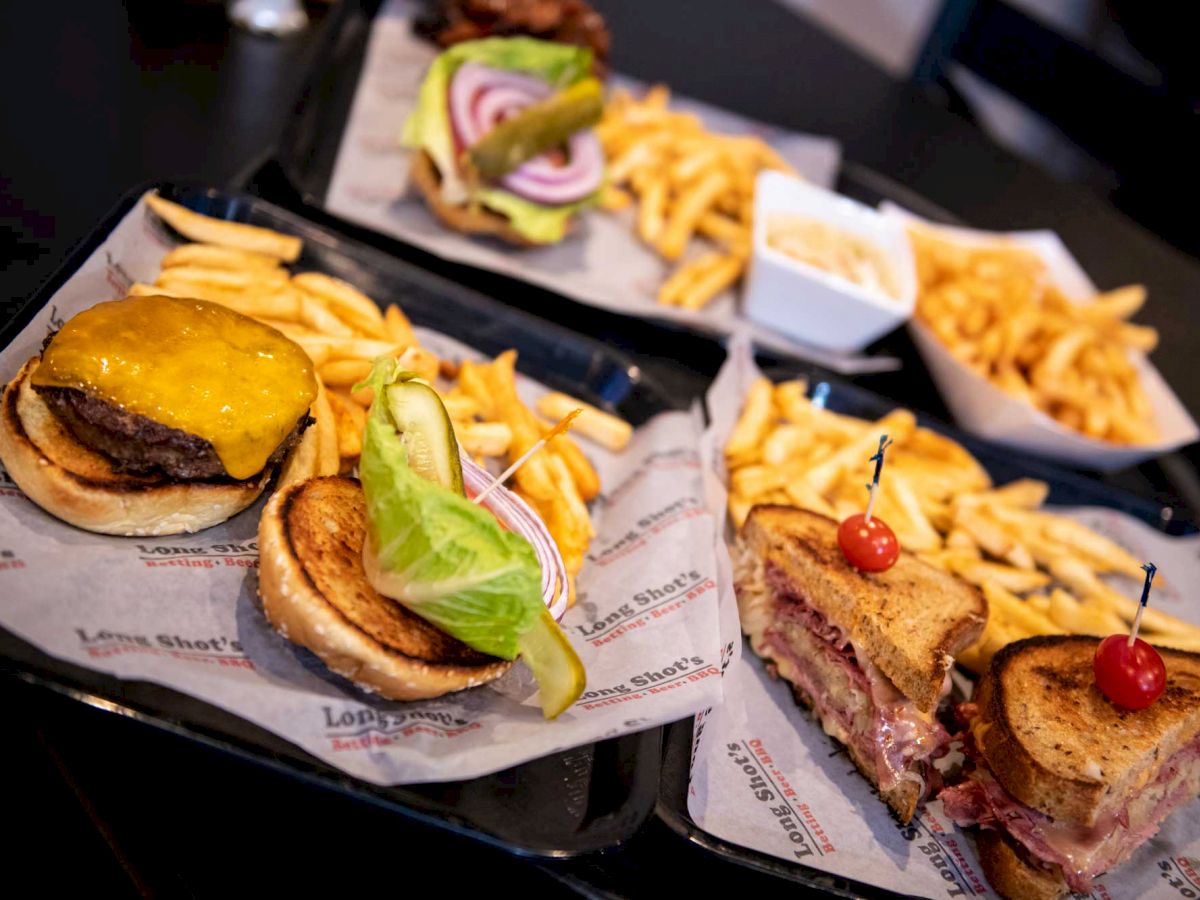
x: 214, y: 256
x: 349, y: 435
x: 684, y: 218
x: 583, y: 473
x: 421, y: 361
x: 344, y: 373
x: 329, y: 462
x: 237, y: 235
x: 604, y: 428
x: 484, y: 438
x: 231, y: 279
x: 753, y: 423
x: 320, y: 319
x: 350, y: 305
x: 719, y: 276
x: 398, y: 328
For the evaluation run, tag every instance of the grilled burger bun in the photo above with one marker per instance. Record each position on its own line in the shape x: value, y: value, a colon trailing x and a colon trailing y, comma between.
x: 467, y: 218
x: 154, y: 416
x: 315, y: 593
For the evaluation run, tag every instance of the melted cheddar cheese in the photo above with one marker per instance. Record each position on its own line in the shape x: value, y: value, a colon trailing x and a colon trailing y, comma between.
x: 187, y: 364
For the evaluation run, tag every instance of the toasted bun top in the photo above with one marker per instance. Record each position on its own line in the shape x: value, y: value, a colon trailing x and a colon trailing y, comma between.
x: 198, y: 367
x: 315, y: 592
x: 81, y: 486
x: 1057, y: 744
x: 910, y: 620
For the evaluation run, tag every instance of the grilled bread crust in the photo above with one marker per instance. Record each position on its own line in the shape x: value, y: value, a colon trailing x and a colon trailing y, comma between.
x: 910, y: 621
x: 316, y: 594
x: 82, y: 487
x: 1010, y: 876
x: 757, y: 612
x: 1056, y: 744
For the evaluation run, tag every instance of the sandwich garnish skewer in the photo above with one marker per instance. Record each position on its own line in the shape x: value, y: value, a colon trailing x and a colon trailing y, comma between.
x: 1128, y: 671
x: 563, y: 425
x: 867, y: 542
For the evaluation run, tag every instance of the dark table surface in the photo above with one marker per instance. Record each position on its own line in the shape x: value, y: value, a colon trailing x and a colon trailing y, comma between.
x: 101, y: 97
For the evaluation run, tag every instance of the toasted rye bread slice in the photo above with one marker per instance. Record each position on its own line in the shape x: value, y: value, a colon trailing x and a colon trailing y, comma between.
x: 910, y: 621
x: 1057, y: 744
x: 316, y: 594
x: 1010, y: 875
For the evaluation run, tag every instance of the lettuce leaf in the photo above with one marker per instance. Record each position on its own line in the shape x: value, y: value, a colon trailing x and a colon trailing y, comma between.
x: 428, y: 126
x: 440, y: 555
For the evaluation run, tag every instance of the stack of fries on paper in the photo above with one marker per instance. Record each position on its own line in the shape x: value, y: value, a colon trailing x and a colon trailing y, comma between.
x: 994, y: 307
x: 343, y: 331
x: 1039, y: 571
x: 688, y: 182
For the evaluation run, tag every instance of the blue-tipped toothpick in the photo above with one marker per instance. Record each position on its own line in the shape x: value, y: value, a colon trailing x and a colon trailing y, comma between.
x: 1149, y: 568
x: 884, y: 443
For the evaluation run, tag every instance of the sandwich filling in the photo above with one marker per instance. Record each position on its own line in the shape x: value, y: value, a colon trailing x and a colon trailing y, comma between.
x: 1081, y: 851
x: 855, y: 702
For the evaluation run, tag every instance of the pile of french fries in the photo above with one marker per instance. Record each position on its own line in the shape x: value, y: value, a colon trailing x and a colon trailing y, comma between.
x: 688, y: 183
x: 995, y: 309
x: 342, y: 330
x: 1040, y: 572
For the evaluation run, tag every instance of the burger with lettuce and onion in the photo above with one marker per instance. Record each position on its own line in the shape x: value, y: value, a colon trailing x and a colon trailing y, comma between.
x: 504, y: 141
x: 421, y: 577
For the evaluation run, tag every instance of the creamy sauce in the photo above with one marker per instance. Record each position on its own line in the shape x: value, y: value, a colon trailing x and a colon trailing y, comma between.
x: 190, y: 365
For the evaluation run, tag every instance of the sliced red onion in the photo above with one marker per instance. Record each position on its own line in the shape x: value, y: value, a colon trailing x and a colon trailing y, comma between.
x: 482, y: 97
x: 515, y: 514
x: 544, y: 181
x: 468, y: 87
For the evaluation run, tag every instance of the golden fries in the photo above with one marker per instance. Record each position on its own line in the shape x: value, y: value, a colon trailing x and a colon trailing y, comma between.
x: 995, y: 310
x: 603, y: 428
x: 688, y: 182
x: 237, y: 235
x: 1039, y: 571
x: 342, y: 330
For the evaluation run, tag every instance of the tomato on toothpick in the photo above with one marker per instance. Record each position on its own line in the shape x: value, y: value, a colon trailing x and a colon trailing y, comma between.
x: 868, y: 543
x: 1130, y: 672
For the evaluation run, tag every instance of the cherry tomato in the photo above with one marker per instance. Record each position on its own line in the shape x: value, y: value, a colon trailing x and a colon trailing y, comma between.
x: 1132, y: 677
x: 868, y: 546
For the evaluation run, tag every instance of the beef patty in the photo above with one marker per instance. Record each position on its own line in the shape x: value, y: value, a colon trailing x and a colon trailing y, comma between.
x: 140, y: 446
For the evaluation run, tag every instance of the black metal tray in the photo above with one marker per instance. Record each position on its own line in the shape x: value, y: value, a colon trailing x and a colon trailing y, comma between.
x: 1066, y: 488
x: 574, y: 802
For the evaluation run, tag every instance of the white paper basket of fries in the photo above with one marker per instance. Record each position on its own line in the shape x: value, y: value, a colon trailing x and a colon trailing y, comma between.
x: 1031, y: 356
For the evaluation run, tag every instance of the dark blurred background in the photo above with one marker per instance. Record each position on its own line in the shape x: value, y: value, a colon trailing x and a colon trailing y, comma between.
x: 1103, y: 92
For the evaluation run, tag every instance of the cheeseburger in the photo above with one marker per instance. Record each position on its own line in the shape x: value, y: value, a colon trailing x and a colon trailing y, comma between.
x: 154, y: 415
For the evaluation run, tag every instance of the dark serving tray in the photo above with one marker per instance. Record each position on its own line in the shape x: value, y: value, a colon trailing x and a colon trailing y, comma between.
x: 1066, y: 489
x: 581, y: 800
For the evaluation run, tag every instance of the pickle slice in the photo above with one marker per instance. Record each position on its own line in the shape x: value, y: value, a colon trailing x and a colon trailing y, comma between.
x: 554, y: 663
x: 427, y: 433
x: 537, y: 129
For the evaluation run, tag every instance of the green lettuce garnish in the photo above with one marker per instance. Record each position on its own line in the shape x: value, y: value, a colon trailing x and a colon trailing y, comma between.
x: 428, y: 126
x: 433, y: 550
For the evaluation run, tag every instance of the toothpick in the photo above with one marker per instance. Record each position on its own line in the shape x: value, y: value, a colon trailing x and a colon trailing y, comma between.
x: 1149, y: 569
x: 563, y: 424
x: 884, y: 443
